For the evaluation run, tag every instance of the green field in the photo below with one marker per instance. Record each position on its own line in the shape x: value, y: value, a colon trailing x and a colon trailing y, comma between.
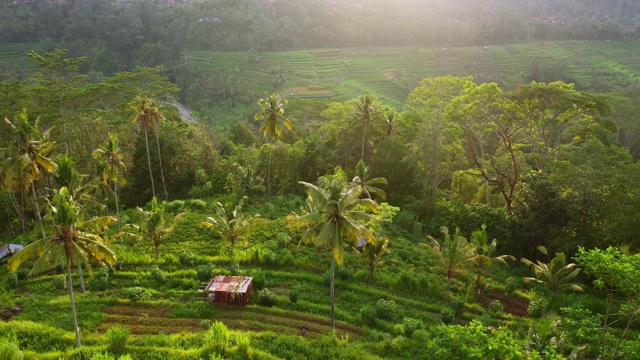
x: 350, y: 72
x: 14, y: 56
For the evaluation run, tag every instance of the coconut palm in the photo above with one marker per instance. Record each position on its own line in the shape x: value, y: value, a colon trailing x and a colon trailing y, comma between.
x: 371, y: 253
x: 453, y: 253
x: 483, y: 254
x: 26, y: 161
x: 148, y: 116
x: 273, y: 124
x: 369, y: 186
x: 333, y: 218
x: 155, y: 228
x: 229, y: 225
x: 113, y: 168
x: 554, y: 275
x: 73, y: 241
x: 365, y: 113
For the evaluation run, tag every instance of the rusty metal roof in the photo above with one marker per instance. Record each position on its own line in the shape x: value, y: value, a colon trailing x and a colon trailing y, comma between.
x: 238, y: 284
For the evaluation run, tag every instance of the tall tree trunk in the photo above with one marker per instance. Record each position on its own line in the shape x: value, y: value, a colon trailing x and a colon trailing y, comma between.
x: 81, y: 277
x: 76, y: 328
x: 363, y: 140
x: 115, y: 191
x: 164, y: 185
x: 333, y: 305
x: 146, y: 141
x: 269, y: 174
x: 37, y: 209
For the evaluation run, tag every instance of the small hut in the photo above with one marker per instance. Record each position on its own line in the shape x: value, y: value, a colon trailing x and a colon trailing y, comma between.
x: 229, y: 290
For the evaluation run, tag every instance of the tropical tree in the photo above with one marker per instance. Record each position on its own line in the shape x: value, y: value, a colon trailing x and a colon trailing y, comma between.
x: 73, y: 241
x: 148, y: 116
x: 554, y: 275
x: 112, y: 168
x: 155, y: 228
x: 371, y: 253
x: 333, y: 218
x: 453, y: 252
x: 229, y: 225
x: 273, y: 124
x: 26, y: 161
x: 483, y: 254
x: 365, y: 114
x: 366, y: 185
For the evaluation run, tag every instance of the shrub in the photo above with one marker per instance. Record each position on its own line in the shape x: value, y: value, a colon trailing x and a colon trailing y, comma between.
x: 259, y: 280
x: 170, y: 259
x: 101, y: 279
x: 205, y: 272
x: 158, y: 274
x: 285, y: 258
x: 410, y: 325
x: 537, y: 307
x: 196, y: 204
x: 512, y: 284
x: 458, y: 307
x: 205, y: 324
x: 60, y: 281
x: 12, y: 280
x: 266, y: 298
x: 117, y: 339
x: 136, y: 294
x: 216, y: 339
x: 447, y: 316
x: 369, y: 315
x: 386, y: 309
x: 293, y: 296
x: 9, y: 349
x: 243, y: 342
x: 343, y: 273
x: 174, y: 206
x: 496, y: 307
x: 187, y: 258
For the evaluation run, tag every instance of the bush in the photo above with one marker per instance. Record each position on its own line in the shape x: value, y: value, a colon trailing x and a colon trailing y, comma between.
x: 266, y: 298
x: 537, y: 307
x: 205, y: 324
x: 205, y: 272
x: 496, y: 307
x: 196, y: 204
x: 216, y: 339
x: 187, y: 258
x: 259, y: 280
x: 293, y: 296
x: 512, y: 284
x: 158, y: 274
x: 458, y: 307
x: 117, y: 338
x: 369, y: 315
x: 136, y: 294
x: 12, y: 280
x: 447, y: 316
x: 60, y: 281
x: 174, y: 206
x: 285, y: 258
x: 386, y: 309
x: 410, y: 325
x: 101, y: 279
x: 343, y: 273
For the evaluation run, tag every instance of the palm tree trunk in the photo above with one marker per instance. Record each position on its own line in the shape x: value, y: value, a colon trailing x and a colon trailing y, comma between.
x: 333, y: 305
x: 146, y: 140
x: 76, y: 328
x: 81, y: 277
x: 269, y: 174
x: 115, y: 191
x: 164, y: 185
x: 363, y: 140
x: 37, y: 209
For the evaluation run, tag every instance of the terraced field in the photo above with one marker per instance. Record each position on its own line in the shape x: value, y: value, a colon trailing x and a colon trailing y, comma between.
x: 348, y: 73
x: 14, y: 56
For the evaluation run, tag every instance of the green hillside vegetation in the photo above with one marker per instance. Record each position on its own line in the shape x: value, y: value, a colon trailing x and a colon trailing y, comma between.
x: 393, y: 218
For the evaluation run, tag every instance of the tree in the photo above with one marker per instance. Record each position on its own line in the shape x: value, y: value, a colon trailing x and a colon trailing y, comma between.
x: 554, y: 275
x: 453, y: 252
x: 229, y: 225
x: 69, y: 244
x: 148, y: 115
x: 26, y: 159
x: 334, y: 217
x: 110, y: 161
x: 366, y: 113
x: 367, y: 185
x: 155, y: 228
x: 372, y: 252
x: 483, y: 254
x: 273, y: 124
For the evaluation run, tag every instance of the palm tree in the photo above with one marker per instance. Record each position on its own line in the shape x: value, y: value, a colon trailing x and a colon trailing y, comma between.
x: 230, y: 225
x: 155, y: 228
x: 368, y: 186
x: 482, y: 253
x: 148, y: 115
x: 110, y: 157
x: 452, y: 253
x: 26, y: 162
x: 333, y: 218
x: 371, y: 253
x: 273, y: 123
x: 365, y: 114
x: 69, y: 244
x: 554, y: 275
